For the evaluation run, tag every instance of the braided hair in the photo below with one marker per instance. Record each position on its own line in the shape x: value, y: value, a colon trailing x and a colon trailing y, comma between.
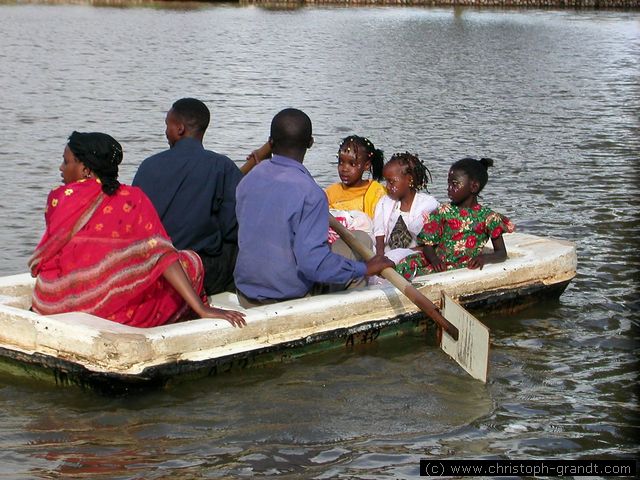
x: 100, y: 153
x: 475, y: 169
x: 373, y: 154
x: 412, y: 165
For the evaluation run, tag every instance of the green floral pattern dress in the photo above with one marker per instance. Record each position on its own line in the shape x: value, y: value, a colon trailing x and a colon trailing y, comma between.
x: 457, y: 235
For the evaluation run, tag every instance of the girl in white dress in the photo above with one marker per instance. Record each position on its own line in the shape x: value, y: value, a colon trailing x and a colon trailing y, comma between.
x: 400, y: 215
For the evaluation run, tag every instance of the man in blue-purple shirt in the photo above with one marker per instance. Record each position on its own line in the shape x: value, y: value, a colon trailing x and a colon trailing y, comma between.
x: 283, y: 218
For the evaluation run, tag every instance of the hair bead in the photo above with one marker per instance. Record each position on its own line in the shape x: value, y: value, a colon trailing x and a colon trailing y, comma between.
x: 373, y: 154
x: 413, y: 166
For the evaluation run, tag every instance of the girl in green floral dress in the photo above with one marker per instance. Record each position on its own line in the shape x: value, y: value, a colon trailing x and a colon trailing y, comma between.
x: 454, y: 234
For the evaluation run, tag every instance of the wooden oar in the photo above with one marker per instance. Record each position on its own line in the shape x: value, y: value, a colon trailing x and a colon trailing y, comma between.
x: 471, y: 355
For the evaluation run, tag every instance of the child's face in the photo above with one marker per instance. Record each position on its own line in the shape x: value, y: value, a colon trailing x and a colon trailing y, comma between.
x: 71, y: 168
x: 398, y: 183
x: 461, y: 189
x: 351, y: 167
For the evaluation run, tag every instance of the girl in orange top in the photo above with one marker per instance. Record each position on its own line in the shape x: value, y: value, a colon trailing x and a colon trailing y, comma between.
x: 356, y: 156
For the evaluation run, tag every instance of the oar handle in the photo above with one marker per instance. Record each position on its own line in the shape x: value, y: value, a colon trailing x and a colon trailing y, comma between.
x: 397, y: 280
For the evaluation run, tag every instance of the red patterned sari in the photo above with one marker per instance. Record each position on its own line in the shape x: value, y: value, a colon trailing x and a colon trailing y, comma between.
x: 105, y: 255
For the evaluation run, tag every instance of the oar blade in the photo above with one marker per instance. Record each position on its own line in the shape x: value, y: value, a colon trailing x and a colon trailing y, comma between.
x: 471, y: 351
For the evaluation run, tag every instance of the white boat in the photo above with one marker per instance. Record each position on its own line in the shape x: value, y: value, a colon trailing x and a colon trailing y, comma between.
x: 78, y: 348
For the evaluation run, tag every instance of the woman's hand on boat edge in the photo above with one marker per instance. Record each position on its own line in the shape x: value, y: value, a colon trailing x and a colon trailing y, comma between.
x: 234, y: 317
x: 175, y: 275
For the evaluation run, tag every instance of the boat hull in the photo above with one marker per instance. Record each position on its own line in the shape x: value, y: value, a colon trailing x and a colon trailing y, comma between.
x: 84, y: 350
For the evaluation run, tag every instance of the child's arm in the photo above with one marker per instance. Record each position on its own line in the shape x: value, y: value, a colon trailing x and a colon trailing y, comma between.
x: 430, y: 254
x: 379, y: 230
x: 380, y: 245
x: 499, y: 255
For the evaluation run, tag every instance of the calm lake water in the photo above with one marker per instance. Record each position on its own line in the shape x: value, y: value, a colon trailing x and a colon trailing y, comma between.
x: 552, y: 96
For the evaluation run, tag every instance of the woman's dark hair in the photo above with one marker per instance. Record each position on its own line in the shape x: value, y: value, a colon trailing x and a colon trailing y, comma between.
x: 100, y: 153
x: 373, y: 154
x: 475, y: 169
x: 412, y: 165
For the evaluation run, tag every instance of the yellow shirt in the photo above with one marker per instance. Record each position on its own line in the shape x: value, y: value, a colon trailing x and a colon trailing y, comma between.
x: 364, y: 198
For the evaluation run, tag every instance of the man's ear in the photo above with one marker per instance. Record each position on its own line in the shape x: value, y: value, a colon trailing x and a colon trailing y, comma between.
x: 310, y: 142
x: 181, y: 129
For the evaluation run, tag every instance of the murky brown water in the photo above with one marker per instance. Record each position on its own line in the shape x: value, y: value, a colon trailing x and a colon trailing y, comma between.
x: 553, y: 97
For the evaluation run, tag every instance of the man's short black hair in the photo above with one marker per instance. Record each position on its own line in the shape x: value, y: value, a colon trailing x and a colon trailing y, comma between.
x: 291, y: 129
x: 193, y: 113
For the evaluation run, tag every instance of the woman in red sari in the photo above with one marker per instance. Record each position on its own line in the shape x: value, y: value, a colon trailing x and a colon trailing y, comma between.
x: 105, y: 251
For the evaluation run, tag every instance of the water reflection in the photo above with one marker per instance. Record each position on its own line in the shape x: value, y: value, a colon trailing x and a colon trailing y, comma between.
x: 551, y: 96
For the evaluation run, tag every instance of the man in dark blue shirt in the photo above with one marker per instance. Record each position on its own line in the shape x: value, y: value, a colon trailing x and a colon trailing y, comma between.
x: 194, y: 192
x: 284, y: 224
